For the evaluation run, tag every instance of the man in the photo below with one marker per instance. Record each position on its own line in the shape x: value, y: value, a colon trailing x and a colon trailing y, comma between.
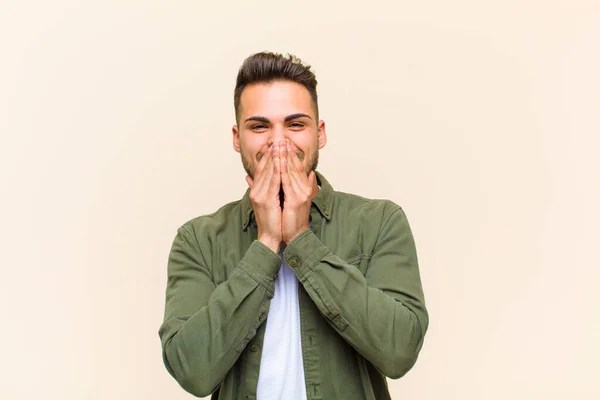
x: 296, y: 291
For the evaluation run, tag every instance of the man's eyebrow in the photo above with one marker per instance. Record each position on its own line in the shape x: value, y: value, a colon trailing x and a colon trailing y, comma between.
x: 294, y: 116
x: 287, y: 119
x: 257, y: 118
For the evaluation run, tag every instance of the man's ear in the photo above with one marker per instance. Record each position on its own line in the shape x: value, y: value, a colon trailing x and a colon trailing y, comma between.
x: 236, y: 138
x: 322, y: 134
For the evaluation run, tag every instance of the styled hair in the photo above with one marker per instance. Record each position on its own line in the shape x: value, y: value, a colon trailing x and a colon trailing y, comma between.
x: 267, y: 67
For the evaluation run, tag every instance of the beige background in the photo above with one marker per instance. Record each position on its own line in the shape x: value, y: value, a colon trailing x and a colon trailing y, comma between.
x: 480, y: 118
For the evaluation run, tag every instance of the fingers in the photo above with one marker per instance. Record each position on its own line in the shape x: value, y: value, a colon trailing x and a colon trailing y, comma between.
x: 300, y: 188
x: 291, y: 179
x: 293, y: 167
x: 295, y: 163
x: 275, y: 180
x: 262, y: 184
x: 263, y: 164
x: 285, y: 176
x: 281, y: 166
x: 312, y: 179
x: 269, y: 180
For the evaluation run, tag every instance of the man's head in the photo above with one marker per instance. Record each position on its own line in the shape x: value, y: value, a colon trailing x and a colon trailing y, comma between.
x: 275, y: 99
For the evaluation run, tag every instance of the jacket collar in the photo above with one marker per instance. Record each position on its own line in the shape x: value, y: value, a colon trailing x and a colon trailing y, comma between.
x: 323, y: 201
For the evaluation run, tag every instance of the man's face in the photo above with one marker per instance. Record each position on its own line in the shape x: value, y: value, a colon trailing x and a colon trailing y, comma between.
x: 273, y: 112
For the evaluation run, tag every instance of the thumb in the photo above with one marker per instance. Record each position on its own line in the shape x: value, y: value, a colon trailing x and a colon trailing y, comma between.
x: 249, y: 180
x: 312, y: 178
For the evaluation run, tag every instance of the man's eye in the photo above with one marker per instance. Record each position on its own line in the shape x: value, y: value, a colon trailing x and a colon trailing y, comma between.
x: 297, y: 125
x: 259, y: 126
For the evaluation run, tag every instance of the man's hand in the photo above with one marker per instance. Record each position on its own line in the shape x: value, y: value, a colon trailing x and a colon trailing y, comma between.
x: 264, y: 195
x: 298, y: 190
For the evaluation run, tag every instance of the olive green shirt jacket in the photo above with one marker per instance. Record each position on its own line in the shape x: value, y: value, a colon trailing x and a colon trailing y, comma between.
x: 362, y: 308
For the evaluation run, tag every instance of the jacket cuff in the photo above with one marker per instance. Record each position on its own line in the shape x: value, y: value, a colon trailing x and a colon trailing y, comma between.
x: 304, y: 252
x: 261, y: 264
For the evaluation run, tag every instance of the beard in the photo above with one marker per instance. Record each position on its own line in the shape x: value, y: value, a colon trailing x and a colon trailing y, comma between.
x: 250, y: 165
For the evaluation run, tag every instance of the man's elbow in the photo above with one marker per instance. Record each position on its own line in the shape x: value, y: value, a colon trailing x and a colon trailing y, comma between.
x: 399, y: 366
x: 192, y: 377
x: 196, y: 386
x: 399, y: 362
x: 196, y: 382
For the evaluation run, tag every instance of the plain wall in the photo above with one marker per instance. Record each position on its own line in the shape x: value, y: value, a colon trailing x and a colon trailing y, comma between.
x: 481, y: 119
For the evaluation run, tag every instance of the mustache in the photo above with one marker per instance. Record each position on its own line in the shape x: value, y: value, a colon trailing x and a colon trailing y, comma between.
x: 260, y: 155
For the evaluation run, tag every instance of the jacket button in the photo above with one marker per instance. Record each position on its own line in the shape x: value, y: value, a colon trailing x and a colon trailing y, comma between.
x: 294, y: 263
x: 261, y: 316
x: 254, y: 348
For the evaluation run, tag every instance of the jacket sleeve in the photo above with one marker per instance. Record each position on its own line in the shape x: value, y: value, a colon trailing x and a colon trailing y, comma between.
x: 382, y: 313
x: 206, y: 326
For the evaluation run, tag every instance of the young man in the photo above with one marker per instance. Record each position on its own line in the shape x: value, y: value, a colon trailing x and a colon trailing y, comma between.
x: 296, y: 291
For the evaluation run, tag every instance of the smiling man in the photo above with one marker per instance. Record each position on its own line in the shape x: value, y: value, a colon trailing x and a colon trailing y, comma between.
x: 296, y: 291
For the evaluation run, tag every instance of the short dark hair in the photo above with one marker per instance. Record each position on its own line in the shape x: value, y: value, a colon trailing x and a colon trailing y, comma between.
x: 266, y: 67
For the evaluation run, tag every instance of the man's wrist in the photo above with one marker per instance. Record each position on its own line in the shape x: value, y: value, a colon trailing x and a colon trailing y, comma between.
x: 300, y: 231
x: 272, y: 244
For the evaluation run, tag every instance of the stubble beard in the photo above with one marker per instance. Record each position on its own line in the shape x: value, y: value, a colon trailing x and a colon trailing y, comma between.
x: 250, y: 166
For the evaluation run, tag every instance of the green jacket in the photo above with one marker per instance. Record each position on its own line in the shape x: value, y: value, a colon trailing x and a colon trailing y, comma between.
x: 362, y: 309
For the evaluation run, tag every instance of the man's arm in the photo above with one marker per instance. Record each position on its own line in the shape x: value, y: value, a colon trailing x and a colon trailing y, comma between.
x: 381, y: 314
x: 206, y: 327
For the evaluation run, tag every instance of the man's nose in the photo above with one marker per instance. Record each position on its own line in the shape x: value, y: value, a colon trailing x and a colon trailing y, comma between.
x: 277, y: 134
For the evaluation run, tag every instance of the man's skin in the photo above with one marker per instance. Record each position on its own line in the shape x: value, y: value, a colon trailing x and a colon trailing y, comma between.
x: 279, y: 139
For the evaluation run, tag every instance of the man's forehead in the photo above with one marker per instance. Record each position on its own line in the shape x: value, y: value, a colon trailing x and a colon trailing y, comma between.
x: 276, y: 99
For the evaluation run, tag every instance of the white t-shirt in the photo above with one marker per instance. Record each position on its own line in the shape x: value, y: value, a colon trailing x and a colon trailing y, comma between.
x: 281, y: 373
